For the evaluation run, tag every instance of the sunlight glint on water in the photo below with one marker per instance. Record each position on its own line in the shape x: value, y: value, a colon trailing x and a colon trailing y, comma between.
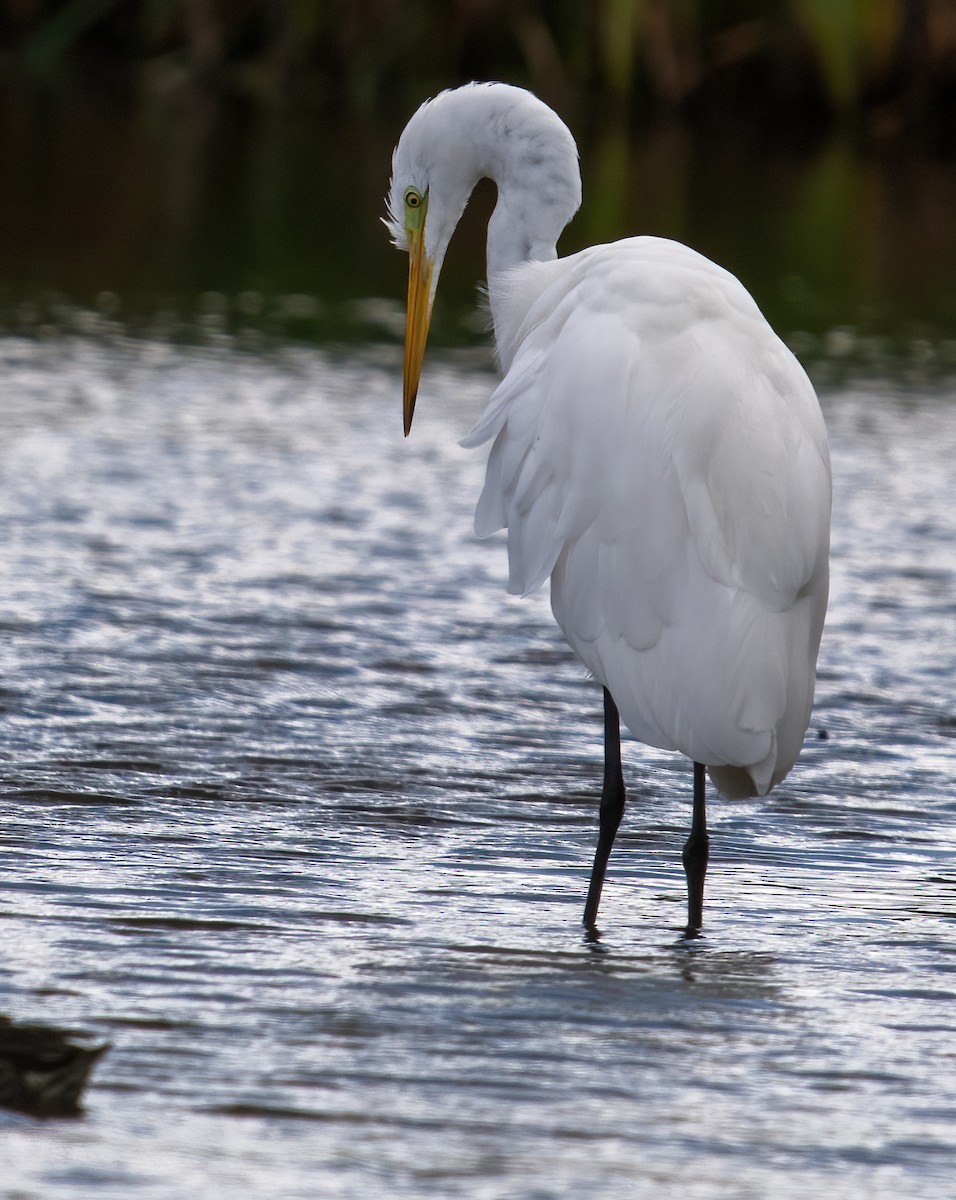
x: 299, y: 808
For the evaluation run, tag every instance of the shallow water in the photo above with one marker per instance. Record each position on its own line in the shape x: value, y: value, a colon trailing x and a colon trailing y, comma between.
x: 299, y: 809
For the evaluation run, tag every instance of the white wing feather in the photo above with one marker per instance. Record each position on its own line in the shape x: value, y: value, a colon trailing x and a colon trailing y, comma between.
x: 653, y: 436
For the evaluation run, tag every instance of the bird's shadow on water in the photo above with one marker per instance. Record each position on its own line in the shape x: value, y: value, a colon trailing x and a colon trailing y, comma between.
x: 694, y: 959
x: 687, y: 939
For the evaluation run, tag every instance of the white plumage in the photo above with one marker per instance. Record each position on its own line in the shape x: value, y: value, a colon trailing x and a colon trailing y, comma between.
x: 657, y: 451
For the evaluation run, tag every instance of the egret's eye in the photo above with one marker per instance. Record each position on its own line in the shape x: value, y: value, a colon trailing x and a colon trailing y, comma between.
x: 416, y: 205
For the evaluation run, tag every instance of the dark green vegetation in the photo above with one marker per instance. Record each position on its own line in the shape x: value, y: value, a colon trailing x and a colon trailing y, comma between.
x: 191, y: 169
x: 891, y: 64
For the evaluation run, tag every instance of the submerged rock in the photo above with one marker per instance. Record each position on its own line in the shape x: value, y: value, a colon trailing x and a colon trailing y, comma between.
x: 43, y: 1070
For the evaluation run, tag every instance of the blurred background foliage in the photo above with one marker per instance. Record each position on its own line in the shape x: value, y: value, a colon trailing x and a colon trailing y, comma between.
x: 888, y: 66
x: 197, y: 165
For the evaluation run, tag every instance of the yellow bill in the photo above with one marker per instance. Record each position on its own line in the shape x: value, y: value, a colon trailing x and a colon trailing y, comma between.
x: 419, y: 309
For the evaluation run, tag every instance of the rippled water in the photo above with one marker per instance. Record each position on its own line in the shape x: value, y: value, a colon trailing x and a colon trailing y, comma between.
x: 299, y: 807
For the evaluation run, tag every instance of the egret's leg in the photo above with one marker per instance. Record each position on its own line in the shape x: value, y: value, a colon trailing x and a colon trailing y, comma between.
x: 696, y: 852
x: 612, y: 806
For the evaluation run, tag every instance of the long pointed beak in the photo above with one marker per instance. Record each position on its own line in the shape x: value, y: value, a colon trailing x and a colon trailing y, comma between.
x: 417, y: 318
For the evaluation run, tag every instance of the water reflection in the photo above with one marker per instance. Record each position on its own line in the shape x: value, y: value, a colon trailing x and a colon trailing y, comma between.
x: 191, y: 218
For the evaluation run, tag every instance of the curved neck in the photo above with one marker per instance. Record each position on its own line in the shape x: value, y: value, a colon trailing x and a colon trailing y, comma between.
x: 503, y: 133
x: 531, y: 156
x: 517, y: 234
x: 524, y: 228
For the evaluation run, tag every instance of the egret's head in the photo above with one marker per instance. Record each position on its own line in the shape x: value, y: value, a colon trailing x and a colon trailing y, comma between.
x: 407, y: 213
x: 431, y: 183
x: 480, y: 130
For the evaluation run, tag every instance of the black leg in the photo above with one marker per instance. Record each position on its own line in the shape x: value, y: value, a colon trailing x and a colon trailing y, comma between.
x: 612, y: 807
x: 696, y: 852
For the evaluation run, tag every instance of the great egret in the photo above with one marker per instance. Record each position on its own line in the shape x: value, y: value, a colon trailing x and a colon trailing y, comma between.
x: 658, y: 452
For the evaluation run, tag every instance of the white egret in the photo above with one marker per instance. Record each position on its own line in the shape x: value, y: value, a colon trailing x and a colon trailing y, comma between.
x: 657, y: 451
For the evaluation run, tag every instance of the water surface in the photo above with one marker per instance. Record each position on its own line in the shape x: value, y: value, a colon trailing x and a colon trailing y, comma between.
x: 299, y: 806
